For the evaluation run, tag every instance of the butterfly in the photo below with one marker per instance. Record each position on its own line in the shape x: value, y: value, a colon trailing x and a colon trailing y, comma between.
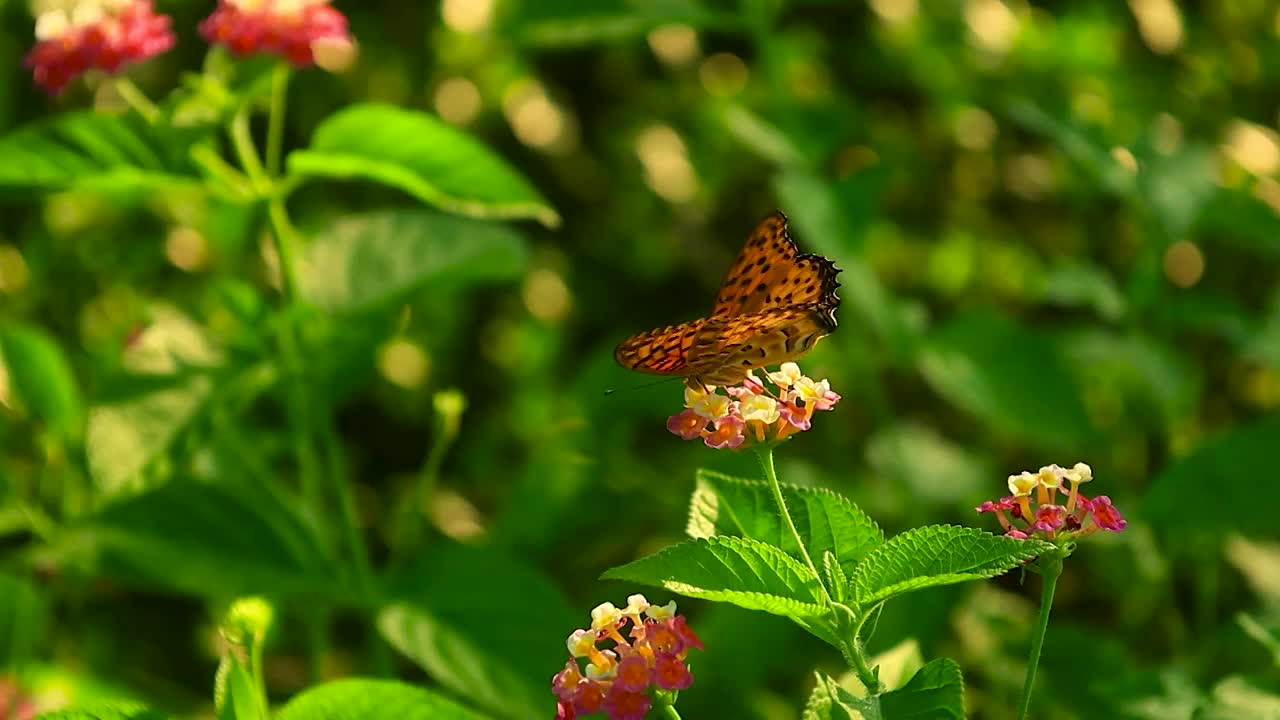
x: 773, y: 306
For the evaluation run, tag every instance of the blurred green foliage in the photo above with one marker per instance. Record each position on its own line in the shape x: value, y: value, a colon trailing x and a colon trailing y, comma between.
x: 1059, y: 229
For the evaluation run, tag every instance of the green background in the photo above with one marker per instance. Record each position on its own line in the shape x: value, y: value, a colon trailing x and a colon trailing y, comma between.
x: 1059, y: 234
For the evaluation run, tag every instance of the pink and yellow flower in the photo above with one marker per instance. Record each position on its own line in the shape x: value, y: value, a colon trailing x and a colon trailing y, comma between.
x: 753, y: 412
x: 105, y: 35
x: 619, y: 680
x: 1045, y: 518
x: 300, y: 31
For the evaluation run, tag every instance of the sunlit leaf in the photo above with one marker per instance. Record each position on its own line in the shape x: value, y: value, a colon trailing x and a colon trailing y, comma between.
x: 937, y: 555
x: 364, y: 261
x: 827, y: 521
x: 41, y: 378
x: 745, y: 572
x: 423, y: 156
x: 366, y: 699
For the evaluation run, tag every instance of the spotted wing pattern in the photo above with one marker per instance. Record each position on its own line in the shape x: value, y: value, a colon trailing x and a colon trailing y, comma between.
x: 770, y: 271
x: 773, y: 306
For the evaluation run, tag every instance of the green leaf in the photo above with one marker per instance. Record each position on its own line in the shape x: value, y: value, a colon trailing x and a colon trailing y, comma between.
x: 235, y: 695
x: 827, y: 521
x: 125, y: 436
x: 24, y: 616
x: 1177, y: 186
x: 86, y: 150
x: 1077, y: 143
x: 211, y: 540
x: 167, y: 387
x: 361, y: 699
x: 834, y: 577
x: 365, y: 261
x: 829, y: 701
x: 106, y: 712
x: 1214, y: 488
x: 1079, y: 285
x: 937, y: 555
x: 41, y: 378
x: 742, y: 571
x: 1008, y: 375
x: 936, y: 692
x: 423, y: 156
x: 451, y: 612
x: 927, y: 464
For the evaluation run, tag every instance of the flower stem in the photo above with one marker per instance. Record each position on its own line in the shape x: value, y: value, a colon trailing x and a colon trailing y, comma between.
x: 1050, y: 570
x: 137, y: 100
x: 275, y: 117
x: 765, y: 455
x: 670, y: 712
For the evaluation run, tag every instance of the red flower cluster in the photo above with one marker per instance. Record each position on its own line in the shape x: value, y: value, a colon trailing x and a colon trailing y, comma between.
x: 14, y: 703
x: 1080, y: 516
x: 616, y: 679
x: 291, y: 29
x: 97, y: 34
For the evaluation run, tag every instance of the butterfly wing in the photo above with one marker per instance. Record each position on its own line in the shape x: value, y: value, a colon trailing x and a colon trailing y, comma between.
x: 664, y: 351
x: 770, y: 271
x: 724, y: 351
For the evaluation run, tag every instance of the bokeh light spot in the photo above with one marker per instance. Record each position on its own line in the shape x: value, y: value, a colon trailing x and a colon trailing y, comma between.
x: 723, y: 74
x: 1183, y: 264
x: 403, y: 363
x: 457, y: 100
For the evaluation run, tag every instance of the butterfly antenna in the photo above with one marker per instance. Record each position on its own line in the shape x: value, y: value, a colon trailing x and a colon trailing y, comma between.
x: 645, y: 385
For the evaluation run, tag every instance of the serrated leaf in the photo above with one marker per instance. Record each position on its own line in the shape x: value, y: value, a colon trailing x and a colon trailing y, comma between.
x: 364, y: 261
x: 362, y: 699
x: 424, y: 157
x: 86, y: 150
x: 837, y: 582
x: 450, y: 612
x: 742, y: 571
x: 935, y: 692
x: 41, y: 378
x: 1007, y: 375
x: 211, y: 540
x: 829, y: 701
x: 724, y: 505
x: 937, y: 555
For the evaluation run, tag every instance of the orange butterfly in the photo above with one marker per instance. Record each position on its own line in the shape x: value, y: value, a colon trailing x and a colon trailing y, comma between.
x: 773, y: 306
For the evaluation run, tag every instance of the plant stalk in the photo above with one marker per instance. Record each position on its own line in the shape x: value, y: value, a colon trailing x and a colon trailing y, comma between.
x: 1050, y: 570
x: 275, y: 118
x: 771, y: 475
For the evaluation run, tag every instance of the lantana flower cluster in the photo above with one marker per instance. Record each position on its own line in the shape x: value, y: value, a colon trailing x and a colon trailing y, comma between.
x: 1044, y: 516
x: 292, y: 29
x: 15, y: 703
x: 76, y: 36
x: 753, y: 413
x: 623, y: 668
x: 107, y: 35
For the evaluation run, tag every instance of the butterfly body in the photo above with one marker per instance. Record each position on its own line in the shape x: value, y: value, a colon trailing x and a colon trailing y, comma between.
x: 773, y: 306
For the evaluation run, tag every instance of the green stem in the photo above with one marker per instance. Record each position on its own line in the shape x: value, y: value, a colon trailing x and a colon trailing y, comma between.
x: 286, y: 241
x: 365, y: 582
x: 670, y: 712
x: 256, y: 672
x: 137, y: 100
x: 770, y: 474
x: 275, y: 117
x: 1050, y: 570
x: 246, y: 151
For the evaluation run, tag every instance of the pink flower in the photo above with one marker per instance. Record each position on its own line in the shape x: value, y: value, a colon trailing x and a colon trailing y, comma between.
x: 633, y: 674
x: 727, y: 433
x: 827, y: 401
x: 624, y: 705
x: 104, y: 35
x: 291, y: 29
x: 1106, y: 515
x: 795, y: 416
x: 653, y: 657
x: 688, y: 424
x: 1031, y: 511
x: 670, y: 672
